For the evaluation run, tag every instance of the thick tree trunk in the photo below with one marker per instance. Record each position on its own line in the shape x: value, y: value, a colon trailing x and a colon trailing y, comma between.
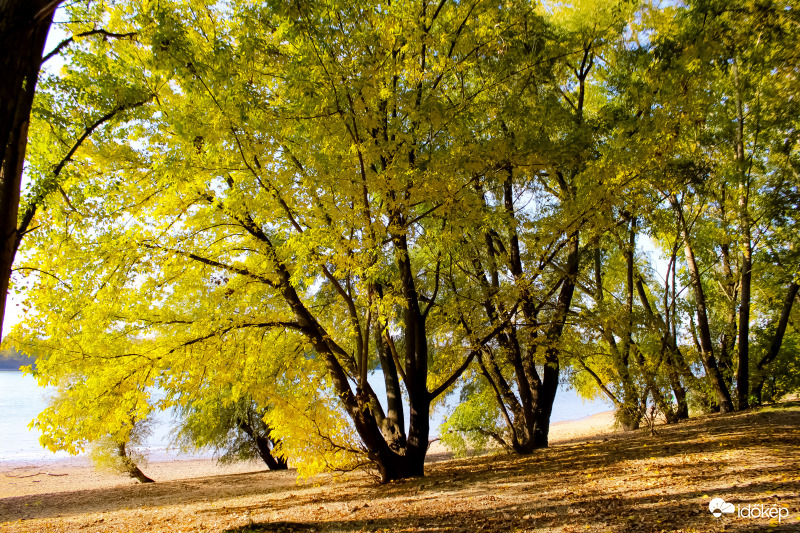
x: 24, y: 25
x: 416, y: 363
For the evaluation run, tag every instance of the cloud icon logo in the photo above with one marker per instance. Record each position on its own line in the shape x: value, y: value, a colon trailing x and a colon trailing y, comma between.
x: 718, y: 507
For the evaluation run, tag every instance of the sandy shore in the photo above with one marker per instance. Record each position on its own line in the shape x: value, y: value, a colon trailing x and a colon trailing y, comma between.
x: 591, y: 479
x: 77, y: 473
x: 592, y: 426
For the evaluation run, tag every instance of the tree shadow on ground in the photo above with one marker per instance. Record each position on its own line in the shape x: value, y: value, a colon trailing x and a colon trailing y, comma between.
x: 630, y: 482
x: 615, y: 515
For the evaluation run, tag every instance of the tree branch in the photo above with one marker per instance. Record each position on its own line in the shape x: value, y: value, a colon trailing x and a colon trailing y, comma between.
x: 66, y: 42
x: 27, y: 217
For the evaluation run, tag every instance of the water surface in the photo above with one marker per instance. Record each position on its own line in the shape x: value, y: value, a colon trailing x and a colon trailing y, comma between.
x: 21, y: 400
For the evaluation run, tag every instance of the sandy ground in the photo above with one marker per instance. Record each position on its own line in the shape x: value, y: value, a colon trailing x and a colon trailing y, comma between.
x: 77, y: 473
x: 590, y: 479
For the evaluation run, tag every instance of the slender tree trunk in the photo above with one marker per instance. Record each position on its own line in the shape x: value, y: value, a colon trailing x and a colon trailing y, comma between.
x: 743, y: 367
x: 675, y: 359
x: 682, y: 408
x: 777, y: 340
x: 24, y: 25
x: 130, y: 467
x: 729, y: 335
x: 629, y: 417
x: 705, y: 343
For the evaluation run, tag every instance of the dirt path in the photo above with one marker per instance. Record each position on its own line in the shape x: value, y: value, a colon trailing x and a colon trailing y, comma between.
x: 619, y: 483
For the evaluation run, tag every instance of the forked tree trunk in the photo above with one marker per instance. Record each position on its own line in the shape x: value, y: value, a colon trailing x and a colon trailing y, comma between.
x: 526, y: 404
x: 553, y: 335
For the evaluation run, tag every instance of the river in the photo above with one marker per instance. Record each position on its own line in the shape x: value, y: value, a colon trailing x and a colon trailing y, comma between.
x: 21, y: 400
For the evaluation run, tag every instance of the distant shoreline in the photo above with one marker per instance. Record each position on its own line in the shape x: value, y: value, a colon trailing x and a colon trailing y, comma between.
x: 12, y: 360
x: 564, y: 430
x: 8, y: 366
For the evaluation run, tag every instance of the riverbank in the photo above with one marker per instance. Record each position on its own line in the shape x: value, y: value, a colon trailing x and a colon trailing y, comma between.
x: 590, y: 479
x: 25, y: 478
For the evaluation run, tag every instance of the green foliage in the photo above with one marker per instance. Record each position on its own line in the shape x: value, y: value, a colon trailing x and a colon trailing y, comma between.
x: 106, y: 455
x: 782, y: 376
x: 253, y: 206
x: 214, y: 423
x: 472, y: 425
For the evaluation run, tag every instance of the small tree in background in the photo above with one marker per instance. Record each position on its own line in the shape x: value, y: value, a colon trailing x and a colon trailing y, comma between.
x: 122, y: 453
x: 235, y: 430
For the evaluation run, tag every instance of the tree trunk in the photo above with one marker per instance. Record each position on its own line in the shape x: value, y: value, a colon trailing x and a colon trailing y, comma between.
x: 264, y: 444
x: 629, y: 416
x: 706, y: 345
x: 777, y: 340
x: 419, y: 399
x: 730, y: 332
x: 678, y: 390
x: 130, y: 467
x: 394, y: 423
x: 743, y: 367
x: 553, y: 351
x: 24, y: 25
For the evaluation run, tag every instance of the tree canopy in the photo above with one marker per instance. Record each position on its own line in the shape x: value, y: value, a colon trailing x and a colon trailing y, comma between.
x: 275, y: 204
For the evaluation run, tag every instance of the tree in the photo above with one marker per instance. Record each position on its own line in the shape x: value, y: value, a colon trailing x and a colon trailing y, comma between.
x: 699, y: 116
x: 284, y: 198
x: 538, y: 164
x: 327, y: 195
x: 109, y: 453
x: 24, y: 26
x: 745, y: 52
x: 236, y: 432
